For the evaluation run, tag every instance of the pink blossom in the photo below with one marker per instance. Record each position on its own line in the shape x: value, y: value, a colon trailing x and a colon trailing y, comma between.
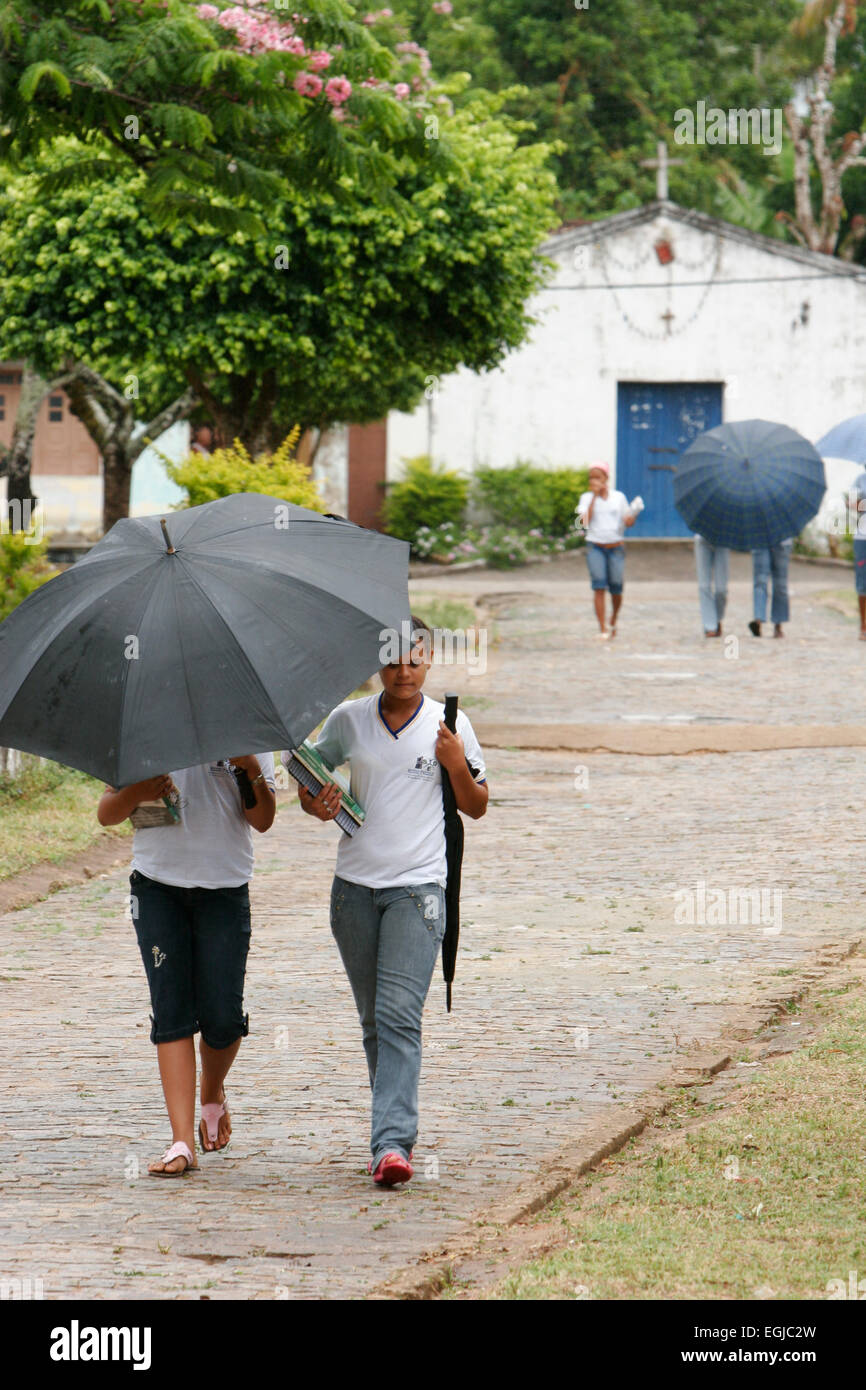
x: 307, y: 84
x: 338, y: 113
x: 338, y: 90
x: 295, y: 45
x: 401, y: 91
x: 207, y: 11
x: 443, y: 6
x: 386, y: 14
x: 320, y: 59
x: 230, y: 18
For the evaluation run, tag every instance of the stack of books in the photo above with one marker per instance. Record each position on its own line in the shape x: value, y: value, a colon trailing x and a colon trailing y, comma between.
x: 313, y: 772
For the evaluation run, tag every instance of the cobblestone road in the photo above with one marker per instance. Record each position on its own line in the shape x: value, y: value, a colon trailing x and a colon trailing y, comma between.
x: 593, y: 957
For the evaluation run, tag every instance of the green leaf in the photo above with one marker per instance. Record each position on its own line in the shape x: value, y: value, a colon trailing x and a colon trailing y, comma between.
x: 33, y: 75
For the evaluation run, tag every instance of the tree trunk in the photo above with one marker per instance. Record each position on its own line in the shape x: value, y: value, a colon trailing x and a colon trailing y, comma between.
x: 117, y: 483
x: 20, y: 500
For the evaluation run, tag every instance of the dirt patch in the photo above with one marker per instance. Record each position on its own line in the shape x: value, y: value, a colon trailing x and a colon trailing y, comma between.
x: 664, y: 740
x: 106, y: 851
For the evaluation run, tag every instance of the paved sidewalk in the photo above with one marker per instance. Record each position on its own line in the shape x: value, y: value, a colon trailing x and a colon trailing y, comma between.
x: 581, y: 981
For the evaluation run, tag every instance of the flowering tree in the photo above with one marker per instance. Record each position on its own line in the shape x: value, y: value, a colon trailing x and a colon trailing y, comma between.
x: 348, y: 307
x: 219, y: 109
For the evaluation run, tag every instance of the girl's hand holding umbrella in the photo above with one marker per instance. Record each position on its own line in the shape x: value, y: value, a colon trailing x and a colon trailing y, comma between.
x: 324, y: 806
x: 470, y: 796
x: 449, y: 749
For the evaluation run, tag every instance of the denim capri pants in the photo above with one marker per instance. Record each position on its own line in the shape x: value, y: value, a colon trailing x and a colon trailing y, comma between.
x: 606, y: 566
x: 860, y: 565
x: 194, y: 944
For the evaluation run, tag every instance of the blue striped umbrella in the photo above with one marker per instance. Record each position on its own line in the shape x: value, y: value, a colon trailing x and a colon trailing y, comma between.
x: 749, y: 484
x: 845, y: 441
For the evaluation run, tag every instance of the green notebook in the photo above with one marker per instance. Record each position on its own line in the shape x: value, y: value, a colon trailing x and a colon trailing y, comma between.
x: 320, y: 769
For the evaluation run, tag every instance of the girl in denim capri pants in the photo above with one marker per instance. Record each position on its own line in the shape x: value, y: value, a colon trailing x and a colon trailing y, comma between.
x: 388, y: 896
x: 191, y: 910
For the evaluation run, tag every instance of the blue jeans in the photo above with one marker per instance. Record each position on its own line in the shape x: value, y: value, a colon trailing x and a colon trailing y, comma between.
x: 389, y: 939
x: 712, y: 566
x: 860, y: 565
x: 772, y: 561
x: 606, y: 566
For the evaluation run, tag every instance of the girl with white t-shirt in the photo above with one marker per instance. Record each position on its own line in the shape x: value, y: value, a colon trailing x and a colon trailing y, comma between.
x: 189, y: 894
x: 388, y: 896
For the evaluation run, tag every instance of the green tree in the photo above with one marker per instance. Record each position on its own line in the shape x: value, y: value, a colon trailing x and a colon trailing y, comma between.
x: 348, y: 307
x: 209, y: 107
x: 607, y: 80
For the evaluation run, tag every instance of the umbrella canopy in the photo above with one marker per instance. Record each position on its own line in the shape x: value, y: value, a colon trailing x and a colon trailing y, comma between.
x: 232, y: 628
x: 845, y: 441
x: 749, y: 484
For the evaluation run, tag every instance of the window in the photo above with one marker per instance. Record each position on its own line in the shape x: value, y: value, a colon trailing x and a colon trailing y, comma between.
x: 9, y: 378
x: 55, y: 409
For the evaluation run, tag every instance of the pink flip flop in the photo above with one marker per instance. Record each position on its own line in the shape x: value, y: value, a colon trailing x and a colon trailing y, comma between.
x: 211, y: 1115
x: 178, y: 1150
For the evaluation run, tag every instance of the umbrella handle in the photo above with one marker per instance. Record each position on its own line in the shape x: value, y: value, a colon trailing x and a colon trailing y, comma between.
x: 451, y: 712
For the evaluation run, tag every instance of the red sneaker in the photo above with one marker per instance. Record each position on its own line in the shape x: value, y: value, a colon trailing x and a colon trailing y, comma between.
x: 392, y: 1169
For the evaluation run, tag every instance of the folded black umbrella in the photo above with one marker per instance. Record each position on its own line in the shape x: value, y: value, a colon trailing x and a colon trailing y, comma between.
x: 453, y: 861
x: 231, y: 627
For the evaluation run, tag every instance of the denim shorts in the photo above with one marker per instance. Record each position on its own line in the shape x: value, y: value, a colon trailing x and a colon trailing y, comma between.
x: 860, y: 566
x: 606, y: 567
x: 194, y: 944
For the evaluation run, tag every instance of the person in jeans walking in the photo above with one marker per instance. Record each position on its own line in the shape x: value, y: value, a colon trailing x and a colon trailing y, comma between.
x: 191, y: 911
x: 771, y: 562
x: 388, y: 896
x: 604, y: 514
x: 857, y: 502
x: 712, y: 566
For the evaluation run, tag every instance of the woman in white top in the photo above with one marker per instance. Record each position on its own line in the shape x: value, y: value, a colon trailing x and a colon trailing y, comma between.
x: 190, y: 904
x: 388, y: 896
x: 604, y: 514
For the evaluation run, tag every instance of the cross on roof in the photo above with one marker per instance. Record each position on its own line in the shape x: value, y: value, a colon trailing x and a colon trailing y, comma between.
x: 661, y: 164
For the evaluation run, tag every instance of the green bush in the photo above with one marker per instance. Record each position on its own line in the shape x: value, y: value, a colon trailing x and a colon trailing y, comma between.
x: 532, y: 498
x: 227, y: 471
x: 424, y: 496
x: 23, y: 568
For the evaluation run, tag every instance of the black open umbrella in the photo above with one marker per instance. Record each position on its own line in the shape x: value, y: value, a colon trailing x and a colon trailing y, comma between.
x: 233, y: 626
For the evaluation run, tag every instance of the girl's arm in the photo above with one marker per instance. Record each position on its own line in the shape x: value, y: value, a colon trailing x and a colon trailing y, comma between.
x: 471, y: 796
x: 114, y: 806
x: 260, y: 816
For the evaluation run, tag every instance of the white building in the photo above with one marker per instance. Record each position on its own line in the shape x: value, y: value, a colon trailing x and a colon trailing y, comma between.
x: 657, y: 324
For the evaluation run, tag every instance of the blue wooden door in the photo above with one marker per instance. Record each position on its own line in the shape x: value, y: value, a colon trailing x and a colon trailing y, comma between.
x: 655, y: 423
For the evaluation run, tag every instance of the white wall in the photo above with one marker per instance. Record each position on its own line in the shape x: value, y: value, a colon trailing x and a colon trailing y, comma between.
x: 554, y: 401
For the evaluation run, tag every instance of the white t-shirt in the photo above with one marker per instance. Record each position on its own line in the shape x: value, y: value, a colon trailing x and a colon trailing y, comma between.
x: 213, y: 845
x: 398, y: 781
x: 607, y: 524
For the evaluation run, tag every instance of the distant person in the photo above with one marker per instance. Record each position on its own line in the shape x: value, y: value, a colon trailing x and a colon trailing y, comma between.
x: 712, y: 566
x: 858, y: 502
x: 604, y: 514
x: 202, y: 440
x: 771, y: 562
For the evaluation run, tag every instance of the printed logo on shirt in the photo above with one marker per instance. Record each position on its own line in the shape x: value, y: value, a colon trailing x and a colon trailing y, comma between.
x: 425, y: 768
